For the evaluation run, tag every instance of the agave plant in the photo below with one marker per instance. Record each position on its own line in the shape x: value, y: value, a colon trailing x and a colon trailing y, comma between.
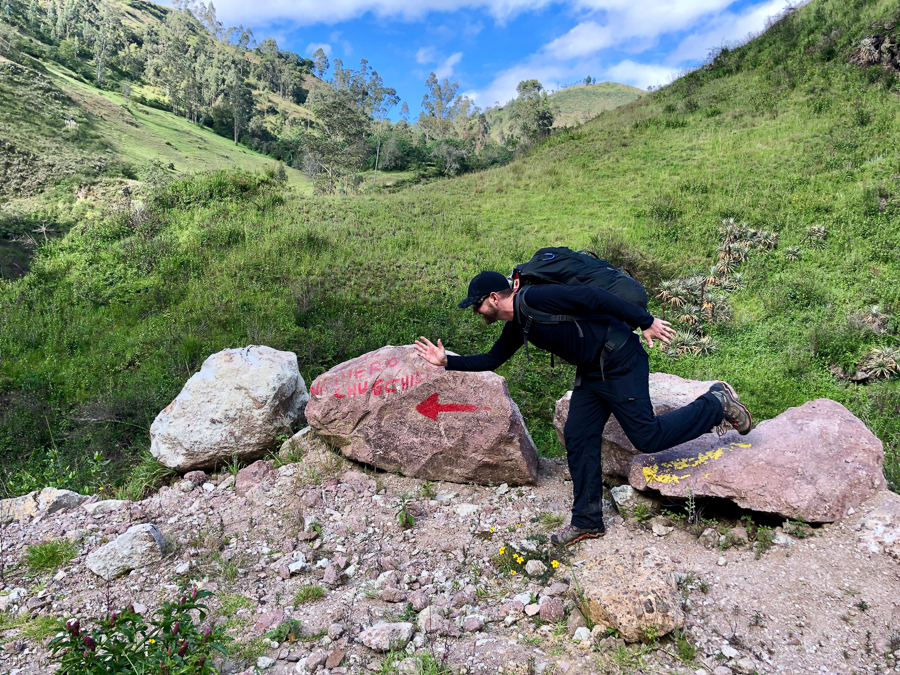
x: 766, y: 240
x: 705, y: 345
x: 793, y: 253
x: 666, y: 290
x: 740, y: 251
x: 816, y: 232
x: 729, y: 230
x: 726, y: 267
x: 733, y: 282
x: 689, y: 314
x: 715, y: 276
x: 883, y: 362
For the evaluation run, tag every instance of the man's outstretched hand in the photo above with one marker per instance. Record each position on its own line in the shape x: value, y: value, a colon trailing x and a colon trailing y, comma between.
x: 434, y: 354
x: 662, y: 330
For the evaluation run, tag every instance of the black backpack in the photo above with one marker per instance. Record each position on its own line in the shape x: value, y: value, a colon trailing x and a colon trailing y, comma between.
x: 561, y: 265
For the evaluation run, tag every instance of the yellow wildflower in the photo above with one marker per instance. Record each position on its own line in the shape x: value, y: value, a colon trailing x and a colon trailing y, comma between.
x: 502, y: 550
x: 555, y: 563
x: 492, y: 528
x: 152, y: 641
x: 512, y: 571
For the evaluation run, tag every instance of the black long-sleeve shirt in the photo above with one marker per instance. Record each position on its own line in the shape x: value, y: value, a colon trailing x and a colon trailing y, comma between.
x: 605, y: 309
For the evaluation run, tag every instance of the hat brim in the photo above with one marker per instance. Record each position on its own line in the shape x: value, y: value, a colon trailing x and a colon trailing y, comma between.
x: 468, y: 302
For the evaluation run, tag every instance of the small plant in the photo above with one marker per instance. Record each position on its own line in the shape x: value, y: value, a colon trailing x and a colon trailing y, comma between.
x: 684, y: 648
x: 49, y: 556
x: 309, y: 593
x: 757, y: 619
x: 550, y: 521
x: 793, y: 253
x: 862, y: 605
x: 428, y: 491
x: 882, y: 362
x: 703, y: 585
x: 289, y: 631
x: 124, y: 642
x: 649, y: 634
x: 404, y: 517
x: 765, y: 537
x: 641, y: 513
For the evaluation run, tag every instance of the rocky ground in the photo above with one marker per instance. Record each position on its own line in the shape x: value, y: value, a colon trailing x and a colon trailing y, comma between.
x: 827, y: 601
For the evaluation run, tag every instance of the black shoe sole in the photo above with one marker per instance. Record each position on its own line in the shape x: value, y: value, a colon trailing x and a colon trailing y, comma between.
x: 580, y: 537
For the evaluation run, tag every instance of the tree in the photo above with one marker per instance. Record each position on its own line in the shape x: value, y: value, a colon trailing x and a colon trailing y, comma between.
x: 436, y: 104
x: 239, y: 100
x: 588, y: 80
x: 533, y: 112
x: 383, y: 99
x: 320, y: 61
x: 105, y: 36
x: 333, y: 155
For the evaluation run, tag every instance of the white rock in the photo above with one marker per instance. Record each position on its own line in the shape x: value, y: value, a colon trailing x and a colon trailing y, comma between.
x: 535, y: 568
x: 264, y: 663
x: 721, y: 562
x: 503, y: 489
x: 234, y: 407
x: 183, y: 568
x: 52, y: 500
x: 140, y: 546
x: 466, y: 510
x: 383, y: 637
x: 106, y: 506
x: 661, y: 530
x: 227, y: 484
x: 581, y: 634
x: 430, y: 618
x: 208, y: 487
x: 730, y: 652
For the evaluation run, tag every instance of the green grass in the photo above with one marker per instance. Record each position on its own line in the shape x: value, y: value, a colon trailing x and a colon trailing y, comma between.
x: 113, y: 318
x: 50, y: 556
x: 309, y: 593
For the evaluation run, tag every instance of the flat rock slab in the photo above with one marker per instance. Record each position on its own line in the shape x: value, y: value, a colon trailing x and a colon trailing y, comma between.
x: 233, y: 408
x: 393, y: 410
x: 635, y: 593
x: 667, y: 393
x: 140, y: 546
x: 814, y: 462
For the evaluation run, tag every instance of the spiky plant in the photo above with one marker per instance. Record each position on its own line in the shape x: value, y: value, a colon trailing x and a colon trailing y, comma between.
x: 665, y: 291
x: 729, y: 230
x: 726, y: 267
x: 734, y: 282
x: 714, y: 277
x: 689, y: 314
x: 883, y: 362
x: 704, y: 345
x: 793, y: 253
x: 679, y: 294
x: 816, y: 232
x: 766, y: 240
x: 740, y: 251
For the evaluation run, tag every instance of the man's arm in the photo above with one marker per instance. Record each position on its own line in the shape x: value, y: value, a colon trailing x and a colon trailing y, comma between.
x: 506, y: 345
x: 585, y: 301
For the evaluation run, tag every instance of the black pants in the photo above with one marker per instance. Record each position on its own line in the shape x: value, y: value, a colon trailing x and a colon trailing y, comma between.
x: 625, y: 394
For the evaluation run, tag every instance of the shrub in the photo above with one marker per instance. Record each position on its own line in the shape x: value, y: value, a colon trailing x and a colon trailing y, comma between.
x: 50, y: 555
x: 124, y: 642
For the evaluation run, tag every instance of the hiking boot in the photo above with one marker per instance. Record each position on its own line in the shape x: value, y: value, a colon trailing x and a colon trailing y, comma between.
x: 736, y: 413
x: 570, y: 534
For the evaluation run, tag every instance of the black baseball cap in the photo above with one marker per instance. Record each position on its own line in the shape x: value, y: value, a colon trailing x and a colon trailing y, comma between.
x: 484, y: 284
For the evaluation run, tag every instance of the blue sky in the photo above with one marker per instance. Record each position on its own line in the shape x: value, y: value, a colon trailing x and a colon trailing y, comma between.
x: 488, y: 46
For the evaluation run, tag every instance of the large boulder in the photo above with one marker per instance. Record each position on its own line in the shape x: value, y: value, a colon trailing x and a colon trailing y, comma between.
x: 667, y: 392
x: 636, y: 594
x: 49, y: 500
x: 140, y: 546
x: 234, y: 407
x: 814, y: 462
x: 393, y: 410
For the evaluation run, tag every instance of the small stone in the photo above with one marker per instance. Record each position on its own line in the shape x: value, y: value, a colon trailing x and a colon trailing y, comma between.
x: 284, y: 572
x: 659, y: 528
x: 185, y: 486
x: 576, y: 621
x: 745, y: 666
x: 794, y: 641
x: 503, y: 489
x: 721, y: 670
x: 557, y: 589
x: 419, y: 600
x: 264, y: 663
x: 383, y: 637
x: 196, y: 477
x: 429, y: 619
x: 552, y: 610
x: 535, y: 568
x: 721, y: 562
x: 581, y: 634
x: 730, y: 652
x: 334, y: 659
x: 183, y: 568
x: 466, y: 510
x: 335, y: 631
x: 532, y: 609
x: 208, y: 487
x: 393, y: 595
x: 316, y: 659
x: 472, y: 624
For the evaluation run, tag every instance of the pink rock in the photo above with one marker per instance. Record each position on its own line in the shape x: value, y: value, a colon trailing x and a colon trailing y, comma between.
x: 196, y: 477
x: 512, y: 607
x: 251, y: 476
x: 284, y: 572
x: 268, y: 620
x: 667, y: 392
x: 532, y: 609
x: 814, y: 462
x: 332, y: 575
x: 419, y: 600
x: 393, y: 595
x: 472, y: 624
x: 552, y: 610
x: 391, y: 409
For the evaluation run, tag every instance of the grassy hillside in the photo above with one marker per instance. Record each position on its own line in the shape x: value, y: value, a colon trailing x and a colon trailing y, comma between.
x: 573, y: 105
x: 784, y: 133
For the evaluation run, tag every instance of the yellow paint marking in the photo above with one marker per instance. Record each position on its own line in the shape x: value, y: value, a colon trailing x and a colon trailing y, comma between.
x: 664, y: 473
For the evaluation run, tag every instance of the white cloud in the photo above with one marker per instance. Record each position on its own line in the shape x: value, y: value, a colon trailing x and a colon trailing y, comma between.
x: 426, y: 55
x: 313, y: 47
x: 642, y: 75
x: 446, y: 68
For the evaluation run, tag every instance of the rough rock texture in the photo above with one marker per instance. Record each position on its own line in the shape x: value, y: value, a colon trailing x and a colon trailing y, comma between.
x: 105, y: 506
x: 629, y: 501
x: 877, y: 50
x: 814, y: 462
x: 234, y: 407
x: 391, y: 409
x: 250, y: 476
x: 880, y: 532
x: 49, y: 500
x: 140, y: 546
x: 667, y: 392
x: 636, y: 594
x: 383, y: 637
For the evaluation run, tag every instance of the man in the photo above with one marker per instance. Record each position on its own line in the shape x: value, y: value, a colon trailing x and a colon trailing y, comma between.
x: 612, y: 377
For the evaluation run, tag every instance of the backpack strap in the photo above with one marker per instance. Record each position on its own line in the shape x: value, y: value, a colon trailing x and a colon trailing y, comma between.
x: 528, y: 316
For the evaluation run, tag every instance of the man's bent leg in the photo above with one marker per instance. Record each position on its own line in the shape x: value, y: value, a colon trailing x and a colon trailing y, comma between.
x: 628, y: 397
x: 584, y: 437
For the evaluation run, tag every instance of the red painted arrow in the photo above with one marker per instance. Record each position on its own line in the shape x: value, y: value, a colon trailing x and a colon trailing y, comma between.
x: 431, y: 408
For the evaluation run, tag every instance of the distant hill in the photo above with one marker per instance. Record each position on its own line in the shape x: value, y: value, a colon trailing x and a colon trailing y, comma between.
x: 573, y: 105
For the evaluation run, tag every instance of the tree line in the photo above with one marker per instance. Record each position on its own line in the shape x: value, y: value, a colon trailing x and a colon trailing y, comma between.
x: 223, y: 78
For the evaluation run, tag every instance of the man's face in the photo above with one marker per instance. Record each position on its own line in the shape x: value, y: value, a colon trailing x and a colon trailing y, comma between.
x: 488, y: 309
